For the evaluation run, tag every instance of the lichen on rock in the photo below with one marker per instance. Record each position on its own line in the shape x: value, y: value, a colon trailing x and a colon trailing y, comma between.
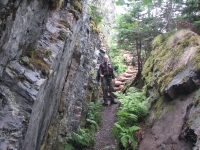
x: 173, y: 53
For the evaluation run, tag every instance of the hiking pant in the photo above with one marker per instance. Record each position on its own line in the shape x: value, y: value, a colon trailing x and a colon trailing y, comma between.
x: 107, y: 87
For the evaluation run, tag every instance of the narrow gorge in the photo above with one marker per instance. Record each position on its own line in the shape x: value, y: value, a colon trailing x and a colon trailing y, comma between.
x: 50, y: 51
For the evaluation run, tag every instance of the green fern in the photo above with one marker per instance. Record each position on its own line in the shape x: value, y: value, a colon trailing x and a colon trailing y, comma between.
x: 82, y: 138
x: 93, y: 117
x: 92, y: 122
x: 125, y: 135
x: 124, y: 140
x: 69, y: 147
x: 133, y: 108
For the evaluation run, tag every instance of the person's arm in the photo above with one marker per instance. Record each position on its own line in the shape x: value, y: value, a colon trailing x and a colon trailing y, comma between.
x: 100, y: 71
x: 113, y: 76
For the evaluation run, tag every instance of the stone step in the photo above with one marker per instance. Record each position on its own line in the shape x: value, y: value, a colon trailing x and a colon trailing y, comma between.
x: 126, y: 76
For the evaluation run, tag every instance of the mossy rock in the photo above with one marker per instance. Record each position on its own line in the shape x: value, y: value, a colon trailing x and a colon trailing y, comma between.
x: 172, y: 53
x: 55, y: 4
x: 36, y: 59
x: 66, y: 24
x: 62, y: 35
x: 77, y: 5
x: 94, y: 27
x: 75, y: 13
x: 157, y: 108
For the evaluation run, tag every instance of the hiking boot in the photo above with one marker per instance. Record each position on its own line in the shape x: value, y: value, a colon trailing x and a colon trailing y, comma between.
x: 113, y: 101
x: 105, y: 103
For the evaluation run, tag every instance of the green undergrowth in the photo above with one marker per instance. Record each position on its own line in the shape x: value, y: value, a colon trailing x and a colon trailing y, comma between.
x: 84, y: 137
x: 133, y: 109
x: 117, y: 59
x: 168, y: 50
x: 196, y: 98
x: 95, y: 18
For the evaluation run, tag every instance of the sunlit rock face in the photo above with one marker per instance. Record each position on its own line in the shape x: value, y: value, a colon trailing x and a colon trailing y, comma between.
x: 48, y: 61
x: 172, y: 77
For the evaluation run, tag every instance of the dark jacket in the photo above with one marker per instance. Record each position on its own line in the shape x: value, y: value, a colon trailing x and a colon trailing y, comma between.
x: 106, y: 70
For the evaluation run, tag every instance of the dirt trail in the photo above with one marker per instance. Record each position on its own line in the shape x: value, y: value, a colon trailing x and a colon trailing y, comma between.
x: 105, y: 141
x: 103, y: 137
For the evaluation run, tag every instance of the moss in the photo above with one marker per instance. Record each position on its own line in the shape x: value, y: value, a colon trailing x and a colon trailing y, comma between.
x: 158, y: 108
x: 170, y: 107
x: 48, y: 53
x: 159, y: 39
x: 20, y: 78
x: 189, y: 122
x: 71, y: 10
x: 77, y: 5
x: 25, y: 63
x: 55, y: 4
x: 50, y: 139
x: 196, y: 60
x: 94, y: 27
x: 52, y: 40
x: 76, y: 44
x: 196, y: 98
x: 66, y: 24
x: 62, y: 35
x: 168, y: 48
x: 75, y: 13
x: 36, y: 59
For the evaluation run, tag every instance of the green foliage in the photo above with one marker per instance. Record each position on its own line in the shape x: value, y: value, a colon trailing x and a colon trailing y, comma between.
x: 120, y: 2
x: 48, y: 53
x: 197, y: 98
x: 117, y: 59
x: 36, y: 59
x: 69, y: 147
x: 65, y: 23
x: 109, y: 147
x: 135, y: 31
x: 166, y: 53
x: 95, y: 19
x: 77, y: 5
x: 62, y: 35
x: 190, y: 15
x: 133, y: 103
x: 134, y: 108
x: 95, y: 15
x: 125, y: 135
x: 82, y: 138
x: 93, y: 115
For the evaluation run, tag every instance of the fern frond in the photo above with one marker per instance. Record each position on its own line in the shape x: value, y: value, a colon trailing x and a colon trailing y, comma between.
x: 93, y: 122
x: 119, y: 127
x: 124, y: 141
x: 69, y: 147
x: 134, y: 128
x: 133, y: 117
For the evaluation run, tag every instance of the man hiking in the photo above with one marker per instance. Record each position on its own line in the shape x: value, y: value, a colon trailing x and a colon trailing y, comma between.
x: 107, y: 74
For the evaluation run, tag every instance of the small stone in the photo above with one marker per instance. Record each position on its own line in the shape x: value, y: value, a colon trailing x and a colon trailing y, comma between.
x: 25, y: 59
x: 31, y: 76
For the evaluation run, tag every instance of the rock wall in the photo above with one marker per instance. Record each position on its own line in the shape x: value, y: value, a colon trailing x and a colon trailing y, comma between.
x: 48, y: 61
x: 172, y: 77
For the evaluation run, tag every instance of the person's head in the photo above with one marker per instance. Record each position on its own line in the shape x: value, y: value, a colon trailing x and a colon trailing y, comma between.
x: 106, y: 58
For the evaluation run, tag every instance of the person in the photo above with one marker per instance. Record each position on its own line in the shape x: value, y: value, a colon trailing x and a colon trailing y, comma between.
x: 107, y: 74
